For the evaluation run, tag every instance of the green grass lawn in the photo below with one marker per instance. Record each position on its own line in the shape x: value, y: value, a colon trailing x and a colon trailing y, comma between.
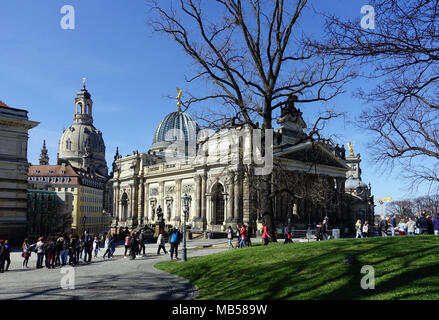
x: 405, y: 268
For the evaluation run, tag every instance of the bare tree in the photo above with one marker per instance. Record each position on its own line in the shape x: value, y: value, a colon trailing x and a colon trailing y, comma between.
x: 402, y: 209
x: 253, y: 54
x: 402, y: 55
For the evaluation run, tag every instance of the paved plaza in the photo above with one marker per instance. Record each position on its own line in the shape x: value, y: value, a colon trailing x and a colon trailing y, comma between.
x: 118, y: 278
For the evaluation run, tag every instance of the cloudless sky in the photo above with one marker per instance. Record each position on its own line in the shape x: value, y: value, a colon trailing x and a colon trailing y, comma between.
x: 130, y: 73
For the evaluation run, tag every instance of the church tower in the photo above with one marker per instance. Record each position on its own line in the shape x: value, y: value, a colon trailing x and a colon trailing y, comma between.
x: 83, y: 106
x: 82, y: 145
x: 44, y: 157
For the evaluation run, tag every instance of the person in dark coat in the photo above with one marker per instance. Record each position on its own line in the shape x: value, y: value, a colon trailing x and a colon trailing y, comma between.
x: 133, y: 246
x: 436, y: 225
x: 384, y: 224
x: 2, y: 256
x: 424, y: 224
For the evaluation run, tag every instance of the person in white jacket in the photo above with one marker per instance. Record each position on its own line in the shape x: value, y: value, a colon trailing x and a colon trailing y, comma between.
x: 161, y: 243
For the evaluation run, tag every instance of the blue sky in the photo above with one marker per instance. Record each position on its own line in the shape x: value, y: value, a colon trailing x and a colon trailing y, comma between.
x: 130, y: 72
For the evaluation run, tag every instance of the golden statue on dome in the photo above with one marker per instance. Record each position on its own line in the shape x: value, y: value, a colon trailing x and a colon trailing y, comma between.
x: 351, y: 149
x: 179, y: 97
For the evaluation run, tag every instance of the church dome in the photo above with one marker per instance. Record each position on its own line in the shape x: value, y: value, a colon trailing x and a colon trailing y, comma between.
x: 177, y: 125
x: 353, y: 183
x: 82, y: 145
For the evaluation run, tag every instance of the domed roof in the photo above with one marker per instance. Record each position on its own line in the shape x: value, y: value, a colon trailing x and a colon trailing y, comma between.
x: 353, y: 183
x: 177, y: 125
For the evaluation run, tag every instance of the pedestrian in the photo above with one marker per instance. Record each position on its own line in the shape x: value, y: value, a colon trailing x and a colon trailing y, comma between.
x: 230, y: 237
x: 358, y: 229
x: 26, y: 252
x: 107, y: 247
x: 324, y: 229
x: 161, y: 243
x: 402, y: 227
x: 238, y: 235
x: 410, y: 225
x: 81, y: 247
x: 243, y: 234
x: 72, y: 249
x: 40, y: 252
x: 365, y: 229
x: 142, y: 239
x: 88, y: 246
x: 430, y: 225
x: 7, y: 255
x: 175, y: 238
x: 65, y: 250
x: 133, y: 246
x: 2, y: 256
x: 319, y: 233
x: 49, y: 252
x: 384, y: 224
x: 96, y: 246
x: 424, y: 224
x: 287, y: 234
x: 112, y: 245
x: 436, y: 225
x: 249, y: 235
x: 393, y: 225
x: 265, y: 234
x: 127, y: 245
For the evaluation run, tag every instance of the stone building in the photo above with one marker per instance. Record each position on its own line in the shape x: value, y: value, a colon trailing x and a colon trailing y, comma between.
x: 14, y: 127
x: 49, y: 213
x: 87, y: 194
x: 218, y: 170
x: 81, y: 169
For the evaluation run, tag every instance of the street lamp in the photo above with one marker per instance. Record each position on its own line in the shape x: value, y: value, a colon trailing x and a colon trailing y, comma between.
x: 186, y: 203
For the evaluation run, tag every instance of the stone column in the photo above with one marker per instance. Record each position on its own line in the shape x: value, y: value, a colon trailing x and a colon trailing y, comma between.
x: 245, y: 200
x: 230, y: 198
x: 146, y: 211
x: 203, y: 197
x: 209, y: 210
x: 178, y: 205
x: 237, y: 195
x: 140, y: 201
x: 197, y: 198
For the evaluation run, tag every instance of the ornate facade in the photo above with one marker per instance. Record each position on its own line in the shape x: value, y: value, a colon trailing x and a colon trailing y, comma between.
x: 308, y: 177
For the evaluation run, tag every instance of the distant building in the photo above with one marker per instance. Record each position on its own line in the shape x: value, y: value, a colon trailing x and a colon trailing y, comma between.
x: 81, y: 169
x: 14, y: 127
x: 49, y: 213
x: 360, y: 201
x: 87, y: 194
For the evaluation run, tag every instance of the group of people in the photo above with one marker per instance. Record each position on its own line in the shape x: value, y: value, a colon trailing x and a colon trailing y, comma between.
x: 175, y: 237
x: 243, y: 235
x: 63, y: 249
x: 424, y: 224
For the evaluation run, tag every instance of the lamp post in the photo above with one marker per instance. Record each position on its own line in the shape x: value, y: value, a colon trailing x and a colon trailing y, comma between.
x: 186, y: 201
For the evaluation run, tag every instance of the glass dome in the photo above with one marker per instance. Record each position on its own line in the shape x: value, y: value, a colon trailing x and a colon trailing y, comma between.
x: 175, y: 126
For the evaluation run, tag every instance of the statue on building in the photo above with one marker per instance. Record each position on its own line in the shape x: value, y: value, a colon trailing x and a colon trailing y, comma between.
x: 351, y: 149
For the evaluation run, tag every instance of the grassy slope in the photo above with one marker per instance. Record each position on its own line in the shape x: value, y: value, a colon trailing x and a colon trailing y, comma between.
x: 405, y: 268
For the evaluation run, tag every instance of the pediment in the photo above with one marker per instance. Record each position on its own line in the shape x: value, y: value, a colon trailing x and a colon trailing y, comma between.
x: 311, y: 152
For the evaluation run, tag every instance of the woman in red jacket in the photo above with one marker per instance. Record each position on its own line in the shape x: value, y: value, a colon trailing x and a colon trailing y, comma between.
x: 265, y: 234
